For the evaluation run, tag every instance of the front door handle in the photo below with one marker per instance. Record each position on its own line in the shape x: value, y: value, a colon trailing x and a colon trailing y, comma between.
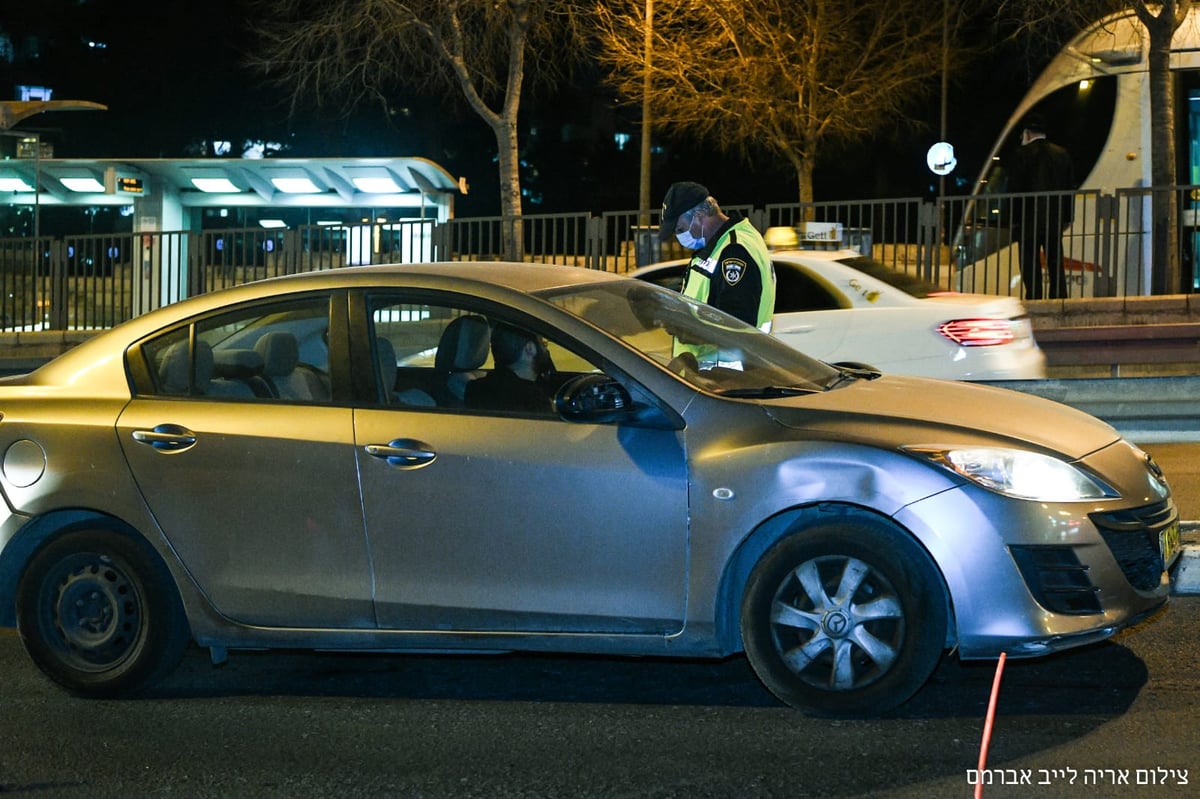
x: 403, y: 453
x: 166, y: 437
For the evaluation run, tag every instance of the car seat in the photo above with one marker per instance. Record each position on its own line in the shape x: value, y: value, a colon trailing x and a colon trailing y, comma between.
x: 385, y: 353
x: 282, y: 370
x: 462, y: 350
x: 177, y: 374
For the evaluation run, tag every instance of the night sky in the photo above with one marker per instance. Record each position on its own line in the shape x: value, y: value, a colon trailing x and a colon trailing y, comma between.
x: 174, y: 73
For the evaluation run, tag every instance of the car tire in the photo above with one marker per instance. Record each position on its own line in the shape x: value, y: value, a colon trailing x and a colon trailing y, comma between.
x: 845, y: 618
x: 99, y: 615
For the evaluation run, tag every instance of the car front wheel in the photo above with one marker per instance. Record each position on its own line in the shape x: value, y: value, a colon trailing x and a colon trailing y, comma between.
x: 98, y: 614
x: 844, y: 618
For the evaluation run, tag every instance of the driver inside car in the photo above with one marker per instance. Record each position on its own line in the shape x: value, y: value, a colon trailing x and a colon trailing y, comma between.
x: 518, y: 383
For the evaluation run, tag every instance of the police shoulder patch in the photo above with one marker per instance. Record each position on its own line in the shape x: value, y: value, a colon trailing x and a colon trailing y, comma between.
x: 733, y: 270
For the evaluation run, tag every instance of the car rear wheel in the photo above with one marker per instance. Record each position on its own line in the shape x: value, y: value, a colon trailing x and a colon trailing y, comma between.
x: 845, y: 618
x: 98, y: 614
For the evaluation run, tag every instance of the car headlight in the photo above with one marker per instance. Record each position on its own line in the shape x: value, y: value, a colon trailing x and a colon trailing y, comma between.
x: 1018, y: 473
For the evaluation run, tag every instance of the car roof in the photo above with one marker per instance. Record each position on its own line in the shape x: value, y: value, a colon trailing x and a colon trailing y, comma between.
x: 782, y: 255
x: 466, y: 276
x: 524, y: 277
x: 817, y: 255
x: 477, y: 278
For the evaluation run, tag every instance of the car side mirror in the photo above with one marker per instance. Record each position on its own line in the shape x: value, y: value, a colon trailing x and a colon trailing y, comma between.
x: 593, y: 398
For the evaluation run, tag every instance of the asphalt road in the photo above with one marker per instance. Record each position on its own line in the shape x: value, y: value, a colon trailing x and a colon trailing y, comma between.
x: 1112, y: 720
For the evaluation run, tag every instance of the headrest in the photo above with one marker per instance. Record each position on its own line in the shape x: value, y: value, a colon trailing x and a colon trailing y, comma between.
x: 176, y: 368
x: 237, y: 364
x: 280, y: 353
x: 464, y: 344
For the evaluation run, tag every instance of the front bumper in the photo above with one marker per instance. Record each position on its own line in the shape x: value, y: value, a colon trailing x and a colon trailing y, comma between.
x: 1029, y: 579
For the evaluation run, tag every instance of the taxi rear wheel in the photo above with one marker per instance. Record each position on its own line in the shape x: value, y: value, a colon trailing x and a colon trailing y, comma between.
x: 98, y: 614
x: 845, y: 618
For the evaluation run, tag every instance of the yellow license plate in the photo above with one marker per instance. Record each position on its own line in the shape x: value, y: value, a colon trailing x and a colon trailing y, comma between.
x: 1168, y: 542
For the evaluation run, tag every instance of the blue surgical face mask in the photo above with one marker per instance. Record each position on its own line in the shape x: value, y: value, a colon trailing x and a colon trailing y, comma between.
x: 687, y: 240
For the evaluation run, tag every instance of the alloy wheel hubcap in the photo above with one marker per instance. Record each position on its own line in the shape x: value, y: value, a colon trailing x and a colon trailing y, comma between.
x: 837, y: 623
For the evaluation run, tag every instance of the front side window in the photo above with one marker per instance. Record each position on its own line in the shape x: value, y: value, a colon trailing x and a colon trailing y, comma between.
x: 706, y: 347
x: 796, y: 290
x: 447, y: 356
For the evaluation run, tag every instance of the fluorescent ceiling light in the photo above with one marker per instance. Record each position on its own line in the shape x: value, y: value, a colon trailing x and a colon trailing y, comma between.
x: 272, y: 223
x: 377, y: 185
x: 14, y: 184
x: 85, y: 185
x: 295, y: 185
x: 215, y: 185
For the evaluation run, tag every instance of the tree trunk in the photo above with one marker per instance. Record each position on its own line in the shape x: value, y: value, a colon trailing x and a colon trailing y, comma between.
x: 802, y: 166
x: 512, y: 234
x: 1166, y: 275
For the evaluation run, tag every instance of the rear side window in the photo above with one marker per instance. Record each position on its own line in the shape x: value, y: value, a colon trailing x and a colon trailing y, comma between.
x: 275, y: 352
x: 910, y: 284
x: 796, y: 290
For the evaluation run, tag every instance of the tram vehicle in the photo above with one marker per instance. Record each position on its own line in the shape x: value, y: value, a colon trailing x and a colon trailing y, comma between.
x: 1095, y: 98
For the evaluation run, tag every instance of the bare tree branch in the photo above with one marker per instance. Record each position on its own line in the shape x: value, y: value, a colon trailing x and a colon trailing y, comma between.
x: 788, y: 76
x: 341, y: 53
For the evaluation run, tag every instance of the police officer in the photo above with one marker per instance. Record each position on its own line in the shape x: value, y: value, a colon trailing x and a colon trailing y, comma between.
x: 731, y: 266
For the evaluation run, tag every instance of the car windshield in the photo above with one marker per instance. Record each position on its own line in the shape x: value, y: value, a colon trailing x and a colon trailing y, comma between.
x: 710, y: 349
x: 910, y: 284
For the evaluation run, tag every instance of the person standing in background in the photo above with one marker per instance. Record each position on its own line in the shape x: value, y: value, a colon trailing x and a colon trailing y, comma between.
x: 1039, y: 165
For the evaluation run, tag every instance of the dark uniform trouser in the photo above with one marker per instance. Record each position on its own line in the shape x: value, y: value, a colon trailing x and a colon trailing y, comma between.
x: 1042, y: 233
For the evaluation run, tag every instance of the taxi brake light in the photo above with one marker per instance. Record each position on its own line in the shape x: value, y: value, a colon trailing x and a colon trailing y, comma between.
x: 978, y: 332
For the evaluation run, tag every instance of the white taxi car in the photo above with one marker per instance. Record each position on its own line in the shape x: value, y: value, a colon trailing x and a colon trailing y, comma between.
x: 845, y: 308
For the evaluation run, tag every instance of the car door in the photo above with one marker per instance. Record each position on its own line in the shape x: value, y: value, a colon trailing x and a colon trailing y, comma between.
x: 811, y: 315
x: 257, y: 493
x: 485, y: 520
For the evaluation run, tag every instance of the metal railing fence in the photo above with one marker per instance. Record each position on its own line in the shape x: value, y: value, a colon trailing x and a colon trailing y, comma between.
x: 965, y: 243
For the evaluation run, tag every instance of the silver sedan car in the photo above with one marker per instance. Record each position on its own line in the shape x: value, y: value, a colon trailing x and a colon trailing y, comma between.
x: 491, y: 456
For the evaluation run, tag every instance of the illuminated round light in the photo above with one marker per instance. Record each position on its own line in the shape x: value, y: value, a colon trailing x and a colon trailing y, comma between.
x: 940, y: 158
x: 978, y: 332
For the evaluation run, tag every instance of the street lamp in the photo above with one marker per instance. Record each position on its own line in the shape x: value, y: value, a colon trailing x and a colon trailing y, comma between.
x: 644, y: 178
x: 643, y: 193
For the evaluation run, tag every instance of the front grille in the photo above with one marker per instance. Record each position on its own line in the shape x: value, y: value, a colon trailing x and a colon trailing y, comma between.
x: 1133, y: 537
x: 1057, y: 580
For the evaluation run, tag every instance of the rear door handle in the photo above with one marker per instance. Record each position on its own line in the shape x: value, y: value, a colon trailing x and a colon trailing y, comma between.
x: 403, y: 453
x: 166, y: 437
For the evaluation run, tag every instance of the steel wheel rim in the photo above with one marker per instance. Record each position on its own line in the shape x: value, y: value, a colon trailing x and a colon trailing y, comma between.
x: 837, y: 623
x: 94, y: 611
